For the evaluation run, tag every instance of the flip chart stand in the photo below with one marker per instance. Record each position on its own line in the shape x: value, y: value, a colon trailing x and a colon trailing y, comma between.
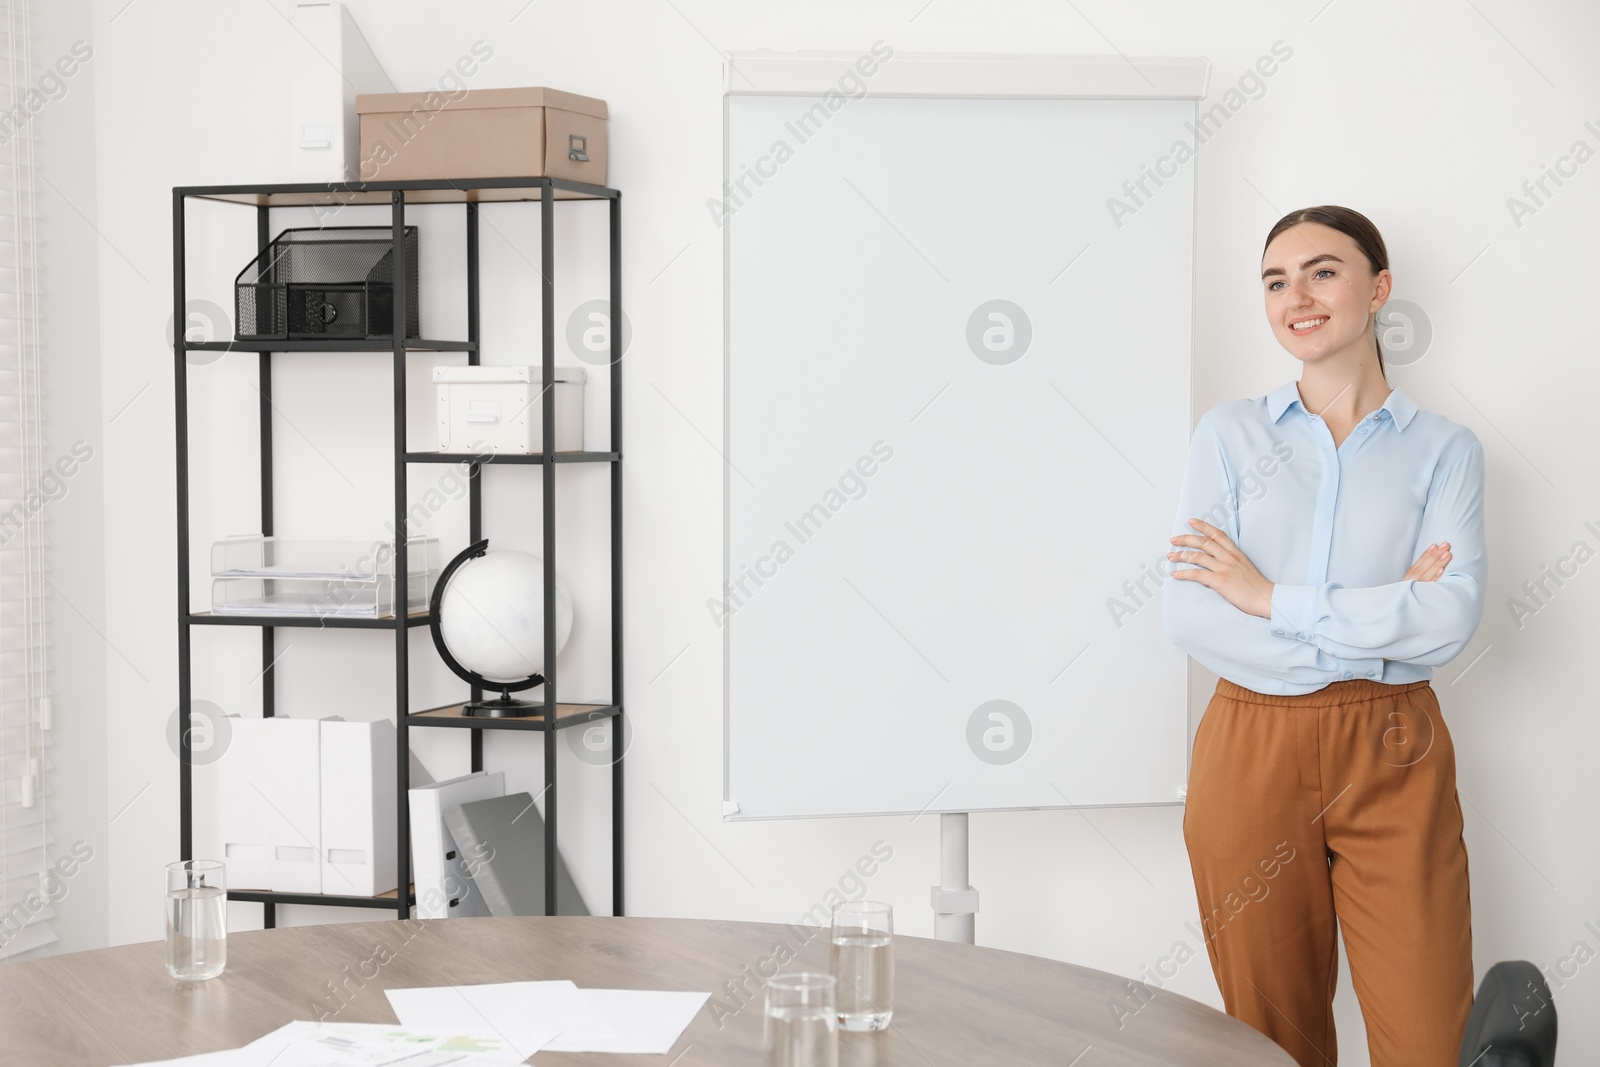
x: 955, y: 903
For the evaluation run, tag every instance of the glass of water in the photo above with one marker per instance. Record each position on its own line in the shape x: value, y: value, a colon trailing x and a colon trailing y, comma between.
x: 197, y: 919
x: 802, y: 1023
x: 862, y: 961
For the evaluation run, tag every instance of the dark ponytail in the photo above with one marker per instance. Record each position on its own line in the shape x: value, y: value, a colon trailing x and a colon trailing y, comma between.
x: 1354, y: 225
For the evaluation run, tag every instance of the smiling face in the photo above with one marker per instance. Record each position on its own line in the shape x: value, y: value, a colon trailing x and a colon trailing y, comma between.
x: 1320, y: 292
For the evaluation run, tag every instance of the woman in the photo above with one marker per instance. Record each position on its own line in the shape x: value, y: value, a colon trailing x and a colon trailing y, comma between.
x: 1322, y: 788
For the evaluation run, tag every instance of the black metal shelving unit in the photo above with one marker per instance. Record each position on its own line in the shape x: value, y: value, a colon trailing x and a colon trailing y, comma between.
x: 554, y: 716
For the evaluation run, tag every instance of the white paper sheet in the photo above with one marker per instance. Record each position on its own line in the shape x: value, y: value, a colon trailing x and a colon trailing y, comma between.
x: 529, y: 1015
x: 313, y: 1044
x: 646, y: 1020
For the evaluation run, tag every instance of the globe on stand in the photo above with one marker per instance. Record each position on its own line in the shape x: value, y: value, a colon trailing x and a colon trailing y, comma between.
x: 487, y: 620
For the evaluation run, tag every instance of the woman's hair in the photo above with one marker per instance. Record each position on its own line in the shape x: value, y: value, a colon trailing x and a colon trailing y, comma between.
x: 1354, y: 225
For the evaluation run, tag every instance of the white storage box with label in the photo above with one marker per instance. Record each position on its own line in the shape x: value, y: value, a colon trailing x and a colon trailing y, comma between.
x: 358, y: 807
x: 293, y: 792
x: 244, y: 773
x: 499, y: 409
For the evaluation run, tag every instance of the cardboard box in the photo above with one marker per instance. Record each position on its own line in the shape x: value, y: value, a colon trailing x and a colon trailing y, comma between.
x: 482, y: 133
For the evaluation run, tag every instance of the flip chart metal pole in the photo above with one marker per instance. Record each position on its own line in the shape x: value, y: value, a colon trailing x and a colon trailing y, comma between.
x: 955, y: 902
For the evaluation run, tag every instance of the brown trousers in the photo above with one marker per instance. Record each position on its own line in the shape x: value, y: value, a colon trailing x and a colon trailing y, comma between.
x: 1334, y: 810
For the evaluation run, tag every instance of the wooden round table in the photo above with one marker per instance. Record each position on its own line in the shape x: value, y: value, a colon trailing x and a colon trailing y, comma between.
x: 954, y: 1004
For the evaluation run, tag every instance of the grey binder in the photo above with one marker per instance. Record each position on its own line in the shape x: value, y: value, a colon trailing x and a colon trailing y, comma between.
x: 501, y: 841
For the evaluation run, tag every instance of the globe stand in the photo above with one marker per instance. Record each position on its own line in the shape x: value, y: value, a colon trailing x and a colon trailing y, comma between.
x: 505, y: 706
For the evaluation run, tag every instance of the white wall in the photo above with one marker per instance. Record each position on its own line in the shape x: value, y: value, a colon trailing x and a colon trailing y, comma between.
x: 1427, y: 117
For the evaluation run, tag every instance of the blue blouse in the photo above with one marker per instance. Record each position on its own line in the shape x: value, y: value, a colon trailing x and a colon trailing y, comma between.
x: 1335, y: 530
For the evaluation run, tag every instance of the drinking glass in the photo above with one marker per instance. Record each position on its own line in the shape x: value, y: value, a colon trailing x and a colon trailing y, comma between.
x: 861, y: 958
x: 801, y: 1027
x: 197, y: 919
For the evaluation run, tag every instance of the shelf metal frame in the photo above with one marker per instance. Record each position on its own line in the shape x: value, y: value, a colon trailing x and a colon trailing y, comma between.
x: 552, y: 717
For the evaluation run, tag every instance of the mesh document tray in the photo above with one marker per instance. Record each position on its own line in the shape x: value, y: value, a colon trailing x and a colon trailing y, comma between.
x: 313, y: 283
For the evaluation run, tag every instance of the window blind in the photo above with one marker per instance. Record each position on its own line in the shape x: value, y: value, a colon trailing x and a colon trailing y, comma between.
x: 26, y: 844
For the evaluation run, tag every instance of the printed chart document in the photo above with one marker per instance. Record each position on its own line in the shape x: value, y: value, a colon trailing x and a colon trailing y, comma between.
x: 314, y: 1044
x: 574, y: 1020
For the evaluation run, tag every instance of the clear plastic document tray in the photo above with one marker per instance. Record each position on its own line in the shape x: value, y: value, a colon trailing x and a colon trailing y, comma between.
x: 316, y: 597
x: 254, y: 556
x: 258, y: 575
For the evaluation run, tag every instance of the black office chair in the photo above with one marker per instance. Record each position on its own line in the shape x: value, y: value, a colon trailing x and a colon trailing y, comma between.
x: 1513, y: 1021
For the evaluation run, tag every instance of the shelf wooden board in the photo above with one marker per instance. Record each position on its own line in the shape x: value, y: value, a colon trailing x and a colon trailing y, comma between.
x: 435, y: 191
x: 331, y: 344
x: 566, y: 715
x: 206, y: 618
x: 512, y: 457
x: 390, y: 899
